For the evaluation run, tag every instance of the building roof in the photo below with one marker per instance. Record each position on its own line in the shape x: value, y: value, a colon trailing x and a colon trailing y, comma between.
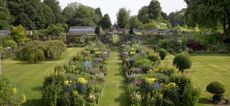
x: 4, y: 32
x: 81, y: 30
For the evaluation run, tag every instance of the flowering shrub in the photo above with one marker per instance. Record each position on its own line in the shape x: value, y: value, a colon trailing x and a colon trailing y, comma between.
x: 151, y: 84
x: 82, y: 80
x: 150, y: 80
x: 78, y: 83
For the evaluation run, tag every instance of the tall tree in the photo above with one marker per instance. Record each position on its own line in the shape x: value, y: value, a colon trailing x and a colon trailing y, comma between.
x: 83, y: 17
x: 70, y: 11
x: 122, y: 18
x: 143, y: 15
x: 164, y: 15
x: 177, y: 18
x: 98, y: 12
x: 32, y: 14
x: 18, y: 10
x: 106, y: 22
x: 5, y: 17
x: 209, y: 14
x: 46, y: 17
x: 134, y: 22
x: 154, y: 9
x: 54, y: 5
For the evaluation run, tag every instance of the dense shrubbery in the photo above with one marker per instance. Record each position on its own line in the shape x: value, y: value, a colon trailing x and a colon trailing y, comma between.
x: 37, y: 51
x: 31, y: 52
x: 182, y: 62
x: 54, y: 49
x: 173, y: 46
x: 138, y: 59
x: 80, y: 40
x: 8, y: 94
x: 158, y: 86
x: 79, y: 82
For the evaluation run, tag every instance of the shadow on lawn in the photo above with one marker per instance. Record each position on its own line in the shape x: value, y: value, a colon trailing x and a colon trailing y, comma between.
x: 39, y: 88
x: 209, y: 102
x: 34, y: 102
x: 123, y: 99
x: 204, y: 101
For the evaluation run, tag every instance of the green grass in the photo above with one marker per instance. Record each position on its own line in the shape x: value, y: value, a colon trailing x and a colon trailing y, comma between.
x: 205, y: 69
x: 28, y: 78
x: 114, y: 92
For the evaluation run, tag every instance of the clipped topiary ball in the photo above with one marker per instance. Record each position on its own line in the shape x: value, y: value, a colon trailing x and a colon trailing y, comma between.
x: 162, y: 53
x: 216, y: 88
x: 182, y: 62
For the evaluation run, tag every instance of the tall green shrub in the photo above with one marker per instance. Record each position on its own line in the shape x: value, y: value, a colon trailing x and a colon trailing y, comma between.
x: 162, y: 53
x: 217, y: 89
x: 182, y: 62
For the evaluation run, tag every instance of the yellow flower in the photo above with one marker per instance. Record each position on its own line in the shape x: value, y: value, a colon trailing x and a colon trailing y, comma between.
x: 138, y: 97
x: 132, y: 49
x: 172, y: 85
x: 66, y: 82
x: 98, y: 52
x: 75, y: 93
x: 150, y: 80
x: 132, y: 52
x: 95, y: 49
x: 24, y: 99
x: 82, y: 80
x: 14, y: 91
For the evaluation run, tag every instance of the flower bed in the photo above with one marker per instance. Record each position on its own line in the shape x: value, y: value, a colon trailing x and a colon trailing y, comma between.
x: 150, y: 84
x: 79, y: 82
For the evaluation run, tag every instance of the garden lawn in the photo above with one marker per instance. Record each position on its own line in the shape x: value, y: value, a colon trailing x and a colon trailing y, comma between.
x: 205, y: 69
x: 28, y: 78
x: 114, y: 92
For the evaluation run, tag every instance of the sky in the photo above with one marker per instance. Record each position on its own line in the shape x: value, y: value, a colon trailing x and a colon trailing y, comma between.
x: 112, y: 6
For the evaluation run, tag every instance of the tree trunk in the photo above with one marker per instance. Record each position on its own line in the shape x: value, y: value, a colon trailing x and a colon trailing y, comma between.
x: 226, y: 23
x: 228, y: 27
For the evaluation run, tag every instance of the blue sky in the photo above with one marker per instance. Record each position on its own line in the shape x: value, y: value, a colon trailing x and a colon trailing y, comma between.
x: 112, y: 6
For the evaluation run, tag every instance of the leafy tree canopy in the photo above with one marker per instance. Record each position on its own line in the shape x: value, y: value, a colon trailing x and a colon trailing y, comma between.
x: 106, y: 22
x: 209, y: 14
x: 122, y: 18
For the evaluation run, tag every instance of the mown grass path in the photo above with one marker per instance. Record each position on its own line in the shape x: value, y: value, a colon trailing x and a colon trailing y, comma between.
x: 114, y: 92
x: 28, y: 78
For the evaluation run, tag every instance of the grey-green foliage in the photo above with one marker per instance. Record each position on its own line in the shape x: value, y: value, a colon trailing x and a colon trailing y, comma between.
x: 54, y: 49
x: 37, y: 51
